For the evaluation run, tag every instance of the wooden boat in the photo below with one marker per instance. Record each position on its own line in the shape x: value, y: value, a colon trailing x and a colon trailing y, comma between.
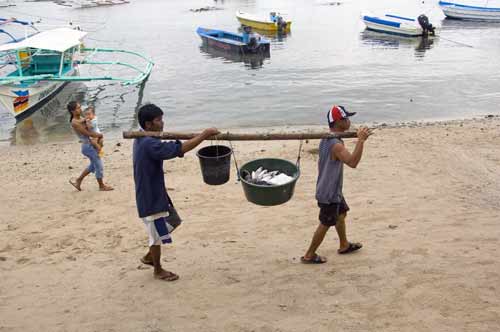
x: 399, y: 25
x: 467, y: 10
x: 244, y: 43
x: 274, y: 22
x: 44, y: 63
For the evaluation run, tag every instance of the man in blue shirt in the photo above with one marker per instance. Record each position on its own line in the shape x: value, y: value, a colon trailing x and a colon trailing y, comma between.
x: 153, y: 203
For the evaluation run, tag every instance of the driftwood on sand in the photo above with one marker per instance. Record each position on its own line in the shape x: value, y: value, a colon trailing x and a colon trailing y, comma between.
x: 241, y: 136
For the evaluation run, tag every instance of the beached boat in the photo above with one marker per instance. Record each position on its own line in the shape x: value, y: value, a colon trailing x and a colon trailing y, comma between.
x: 36, y: 68
x: 274, y: 22
x: 244, y: 43
x: 399, y: 25
x: 471, y: 11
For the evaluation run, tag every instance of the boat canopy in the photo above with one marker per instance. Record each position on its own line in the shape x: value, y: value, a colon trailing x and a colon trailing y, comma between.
x: 58, y: 40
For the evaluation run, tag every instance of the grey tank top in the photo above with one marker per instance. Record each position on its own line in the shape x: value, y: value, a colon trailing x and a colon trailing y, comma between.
x: 330, y: 173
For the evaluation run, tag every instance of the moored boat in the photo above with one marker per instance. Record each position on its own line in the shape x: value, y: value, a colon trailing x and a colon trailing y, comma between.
x: 274, y: 22
x: 44, y: 63
x: 244, y: 43
x: 469, y: 11
x: 399, y: 25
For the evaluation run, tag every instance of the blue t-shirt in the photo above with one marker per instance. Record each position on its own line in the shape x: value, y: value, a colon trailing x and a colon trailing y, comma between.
x: 148, y: 155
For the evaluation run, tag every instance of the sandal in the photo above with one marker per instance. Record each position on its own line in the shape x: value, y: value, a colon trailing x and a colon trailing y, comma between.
x: 317, y: 259
x: 352, y: 247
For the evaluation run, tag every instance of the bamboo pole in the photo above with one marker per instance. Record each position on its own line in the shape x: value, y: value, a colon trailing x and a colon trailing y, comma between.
x: 240, y: 137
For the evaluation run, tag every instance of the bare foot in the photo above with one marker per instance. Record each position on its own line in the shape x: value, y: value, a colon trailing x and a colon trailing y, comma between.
x: 166, y: 275
x: 76, y: 184
x: 106, y: 188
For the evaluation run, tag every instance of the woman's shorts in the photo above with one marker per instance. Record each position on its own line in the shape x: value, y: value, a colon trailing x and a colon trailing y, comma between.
x: 329, y: 213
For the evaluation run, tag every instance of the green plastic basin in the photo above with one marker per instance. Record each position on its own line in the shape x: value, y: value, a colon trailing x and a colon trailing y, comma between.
x: 270, y: 195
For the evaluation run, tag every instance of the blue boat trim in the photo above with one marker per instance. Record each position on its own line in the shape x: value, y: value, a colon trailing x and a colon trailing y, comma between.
x: 401, y: 17
x: 380, y: 21
x: 451, y: 4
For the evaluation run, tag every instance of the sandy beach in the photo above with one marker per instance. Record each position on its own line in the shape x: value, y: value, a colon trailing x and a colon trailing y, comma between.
x: 424, y: 202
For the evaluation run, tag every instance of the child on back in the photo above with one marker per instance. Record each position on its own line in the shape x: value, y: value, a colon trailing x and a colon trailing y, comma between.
x: 91, y: 122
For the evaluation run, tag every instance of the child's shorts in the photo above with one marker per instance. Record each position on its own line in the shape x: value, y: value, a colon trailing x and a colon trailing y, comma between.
x: 160, y: 225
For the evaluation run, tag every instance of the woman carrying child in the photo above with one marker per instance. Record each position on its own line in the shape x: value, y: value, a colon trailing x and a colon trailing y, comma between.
x: 88, y: 150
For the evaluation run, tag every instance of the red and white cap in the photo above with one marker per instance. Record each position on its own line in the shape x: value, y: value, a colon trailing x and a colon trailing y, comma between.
x: 338, y: 113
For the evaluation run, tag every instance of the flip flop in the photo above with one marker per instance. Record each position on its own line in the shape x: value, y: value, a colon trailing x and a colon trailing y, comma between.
x: 317, y: 259
x: 352, y: 247
x: 145, y: 262
x: 169, y: 277
x: 74, y: 185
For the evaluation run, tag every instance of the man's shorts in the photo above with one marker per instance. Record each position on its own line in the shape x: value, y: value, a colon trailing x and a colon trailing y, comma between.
x: 160, y: 225
x: 329, y: 213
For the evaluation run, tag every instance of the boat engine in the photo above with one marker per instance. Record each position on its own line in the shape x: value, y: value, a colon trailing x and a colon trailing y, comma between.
x: 253, y: 43
x: 281, y: 24
x: 427, y: 27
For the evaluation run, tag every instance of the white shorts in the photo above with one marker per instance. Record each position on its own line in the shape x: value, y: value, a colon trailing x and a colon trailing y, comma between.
x: 160, y: 225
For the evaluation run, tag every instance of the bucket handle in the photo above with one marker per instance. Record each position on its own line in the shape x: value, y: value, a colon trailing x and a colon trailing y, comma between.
x: 297, y: 163
x: 235, y: 162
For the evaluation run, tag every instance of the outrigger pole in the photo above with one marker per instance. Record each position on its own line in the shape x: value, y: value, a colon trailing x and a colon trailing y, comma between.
x: 240, y: 137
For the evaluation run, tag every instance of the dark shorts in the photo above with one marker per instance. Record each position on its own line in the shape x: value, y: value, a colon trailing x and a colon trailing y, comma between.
x: 329, y: 213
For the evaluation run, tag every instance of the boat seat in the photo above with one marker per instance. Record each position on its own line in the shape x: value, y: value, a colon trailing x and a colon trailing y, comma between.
x: 45, y: 64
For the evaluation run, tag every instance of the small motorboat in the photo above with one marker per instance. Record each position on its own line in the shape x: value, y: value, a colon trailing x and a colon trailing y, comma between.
x: 244, y: 43
x: 274, y: 22
x: 470, y: 12
x: 400, y: 25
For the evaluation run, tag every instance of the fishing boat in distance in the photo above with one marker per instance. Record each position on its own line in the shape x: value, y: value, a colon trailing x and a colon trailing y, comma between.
x: 468, y: 10
x: 400, y: 25
x: 274, y: 22
x: 245, y: 43
x: 36, y: 68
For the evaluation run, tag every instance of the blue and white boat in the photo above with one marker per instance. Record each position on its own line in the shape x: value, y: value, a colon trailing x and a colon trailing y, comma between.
x: 472, y: 10
x: 13, y: 30
x: 245, y: 43
x: 399, y: 25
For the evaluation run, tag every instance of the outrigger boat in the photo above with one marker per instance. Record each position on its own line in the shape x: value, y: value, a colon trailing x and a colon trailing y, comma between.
x: 275, y: 21
x: 46, y: 62
x: 399, y: 25
x: 244, y: 43
x: 468, y: 11
x: 13, y: 30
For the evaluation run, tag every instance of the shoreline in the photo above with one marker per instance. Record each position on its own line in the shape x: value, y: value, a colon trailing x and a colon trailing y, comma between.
x: 115, y: 136
x: 424, y: 203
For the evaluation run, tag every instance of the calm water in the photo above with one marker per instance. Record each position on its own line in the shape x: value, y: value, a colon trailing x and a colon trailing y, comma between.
x: 327, y: 58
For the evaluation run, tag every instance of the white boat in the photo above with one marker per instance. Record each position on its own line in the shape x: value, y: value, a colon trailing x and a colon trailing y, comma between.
x: 6, y: 3
x: 44, y: 63
x: 472, y: 10
x: 399, y: 25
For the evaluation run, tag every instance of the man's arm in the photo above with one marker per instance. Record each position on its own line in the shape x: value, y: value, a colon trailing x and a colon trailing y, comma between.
x: 195, y: 141
x: 351, y: 159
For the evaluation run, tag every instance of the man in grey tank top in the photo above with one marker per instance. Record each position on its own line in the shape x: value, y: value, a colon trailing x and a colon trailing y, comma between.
x: 333, y: 207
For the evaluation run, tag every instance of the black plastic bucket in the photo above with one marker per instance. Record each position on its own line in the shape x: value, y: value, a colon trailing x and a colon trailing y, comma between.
x: 215, y: 163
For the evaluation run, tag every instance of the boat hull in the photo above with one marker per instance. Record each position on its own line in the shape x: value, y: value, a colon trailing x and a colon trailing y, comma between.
x: 23, y: 100
x: 394, y: 25
x: 463, y: 12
